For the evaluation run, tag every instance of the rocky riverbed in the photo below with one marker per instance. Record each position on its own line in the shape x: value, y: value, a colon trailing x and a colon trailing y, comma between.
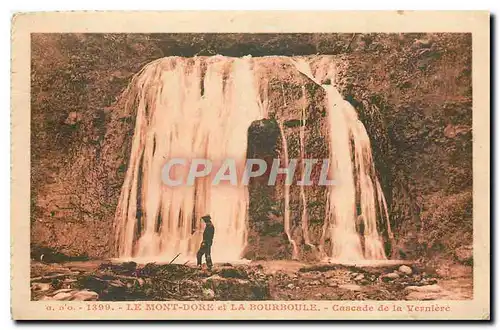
x: 265, y: 280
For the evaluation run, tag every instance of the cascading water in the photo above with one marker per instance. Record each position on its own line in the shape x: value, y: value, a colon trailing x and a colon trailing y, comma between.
x: 181, y: 114
x: 201, y: 108
x: 351, y: 165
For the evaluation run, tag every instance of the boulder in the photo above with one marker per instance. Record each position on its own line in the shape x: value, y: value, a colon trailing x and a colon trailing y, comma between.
x: 41, y: 287
x: 405, y: 270
x: 389, y: 277
x: 359, y: 277
x: 60, y: 296
x: 85, y: 295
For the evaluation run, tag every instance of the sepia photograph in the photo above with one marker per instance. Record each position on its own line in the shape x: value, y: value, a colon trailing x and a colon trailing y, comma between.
x: 269, y: 168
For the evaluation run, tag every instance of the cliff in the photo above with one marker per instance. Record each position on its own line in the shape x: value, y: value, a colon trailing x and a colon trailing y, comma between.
x: 412, y: 91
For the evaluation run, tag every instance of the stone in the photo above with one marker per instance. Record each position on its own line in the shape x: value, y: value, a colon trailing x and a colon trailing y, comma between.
x: 61, y: 291
x: 70, y: 280
x: 290, y: 286
x: 405, y: 270
x: 389, y: 277
x: 85, y: 295
x: 318, y: 295
x: 208, y: 294
x: 424, y: 288
x: 235, y: 288
x: 424, y: 43
x: 428, y: 281
x: 364, y: 282
x: 350, y: 287
x: 40, y: 287
x: 315, y: 283
x: 359, y: 277
x: 61, y: 296
x: 423, y: 295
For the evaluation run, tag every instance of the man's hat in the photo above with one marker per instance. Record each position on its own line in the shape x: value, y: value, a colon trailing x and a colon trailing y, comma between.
x: 206, y: 217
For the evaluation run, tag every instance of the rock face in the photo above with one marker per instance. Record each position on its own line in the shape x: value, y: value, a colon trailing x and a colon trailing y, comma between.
x: 417, y: 113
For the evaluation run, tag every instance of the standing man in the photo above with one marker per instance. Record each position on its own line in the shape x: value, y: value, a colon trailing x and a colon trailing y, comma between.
x: 206, y: 245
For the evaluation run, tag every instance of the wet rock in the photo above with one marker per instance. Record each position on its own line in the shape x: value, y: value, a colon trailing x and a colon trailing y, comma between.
x: 405, y: 270
x: 350, y: 287
x: 40, y: 287
x: 85, y: 295
x: 208, y: 294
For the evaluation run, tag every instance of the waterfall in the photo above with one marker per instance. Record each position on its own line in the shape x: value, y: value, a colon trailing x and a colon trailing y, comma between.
x: 304, y: 217
x: 201, y: 108
x: 196, y: 108
x: 353, y: 236
x: 286, y: 211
